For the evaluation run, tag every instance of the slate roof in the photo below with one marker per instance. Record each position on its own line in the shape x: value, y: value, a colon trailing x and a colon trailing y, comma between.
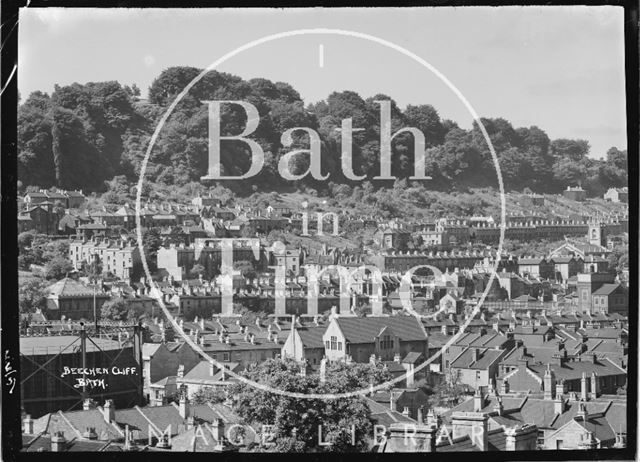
x: 496, y: 441
x: 413, y: 356
x: 382, y: 415
x: 364, y: 330
x: 538, y: 411
x: 531, y: 261
x: 57, y: 343
x: 42, y: 443
x: 68, y: 287
x: 487, y: 358
x: 476, y: 339
x: 521, y: 380
x: 201, y: 372
x: 598, y: 425
x: 149, y: 349
x: 92, y: 226
x: 564, y: 259
x: 525, y: 298
x: 606, y: 289
x: 312, y: 336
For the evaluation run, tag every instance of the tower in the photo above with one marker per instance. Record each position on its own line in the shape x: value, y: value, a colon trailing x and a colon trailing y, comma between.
x: 596, y: 235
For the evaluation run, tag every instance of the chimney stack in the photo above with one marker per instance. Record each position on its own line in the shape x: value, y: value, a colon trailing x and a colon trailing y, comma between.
x: 499, y: 408
x: 584, y: 396
x: 595, y: 385
x: 549, y: 384
x: 323, y: 370
x: 478, y: 400
x: 58, y: 442
x: 27, y: 425
x: 521, y: 438
x: 109, y: 411
x: 473, y: 424
x: 90, y: 433
x: 183, y: 406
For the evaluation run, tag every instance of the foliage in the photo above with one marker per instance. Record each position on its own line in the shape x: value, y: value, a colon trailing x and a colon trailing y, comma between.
x: 118, y: 309
x: 197, y: 270
x: 296, y: 420
x: 92, y: 270
x: 208, y: 395
x: 246, y: 268
x: 448, y: 392
x: 247, y: 316
x: 31, y: 295
x: 57, y: 268
x: 94, y: 136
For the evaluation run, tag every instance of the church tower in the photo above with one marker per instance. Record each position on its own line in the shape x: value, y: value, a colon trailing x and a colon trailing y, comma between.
x: 596, y: 235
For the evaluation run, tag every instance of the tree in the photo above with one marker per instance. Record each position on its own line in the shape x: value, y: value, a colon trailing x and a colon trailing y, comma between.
x: 55, y: 249
x: 25, y: 239
x: 296, y: 421
x: 57, y: 268
x: 569, y: 172
x: 32, y: 296
x: 448, y: 392
x: 208, y: 395
x: 574, y: 150
x: 119, y: 309
x: 197, y: 270
x: 93, y: 269
x: 246, y: 268
x: 116, y: 309
x: 247, y: 316
x: 151, y: 242
x: 35, y: 154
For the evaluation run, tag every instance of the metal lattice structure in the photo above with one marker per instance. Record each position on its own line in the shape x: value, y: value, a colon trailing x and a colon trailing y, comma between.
x: 47, y: 360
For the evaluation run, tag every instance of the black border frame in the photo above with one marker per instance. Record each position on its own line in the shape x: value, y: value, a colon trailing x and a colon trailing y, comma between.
x: 11, y: 418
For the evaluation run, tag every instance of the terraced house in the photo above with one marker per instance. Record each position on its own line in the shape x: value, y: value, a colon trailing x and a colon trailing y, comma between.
x: 384, y: 337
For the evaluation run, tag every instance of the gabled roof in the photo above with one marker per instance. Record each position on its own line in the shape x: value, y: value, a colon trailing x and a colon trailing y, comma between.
x: 607, y: 289
x: 382, y: 415
x: 42, y: 443
x: 486, y: 358
x: 149, y: 349
x: 201, y: 372
x: 365, y: 330
x: 531, y: 261
x: 414, y: 357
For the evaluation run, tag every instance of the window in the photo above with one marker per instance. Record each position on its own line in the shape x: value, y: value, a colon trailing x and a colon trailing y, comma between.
x: 339, y: 346
x: 559, y: 444
x: 327, y: 345
x: 478, y: 375
x: 334, y: 341
x: 386, y: 343
x: 225, y: 357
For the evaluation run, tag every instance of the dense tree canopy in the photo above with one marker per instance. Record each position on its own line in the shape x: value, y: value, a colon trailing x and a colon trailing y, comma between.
x: 296, y: 420
x: 94, y: 136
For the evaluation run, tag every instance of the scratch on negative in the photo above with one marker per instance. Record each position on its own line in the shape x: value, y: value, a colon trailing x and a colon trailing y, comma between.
x: 4, y: 87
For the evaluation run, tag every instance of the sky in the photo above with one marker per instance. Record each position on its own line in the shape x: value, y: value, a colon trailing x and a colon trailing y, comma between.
x: 559, y: 68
